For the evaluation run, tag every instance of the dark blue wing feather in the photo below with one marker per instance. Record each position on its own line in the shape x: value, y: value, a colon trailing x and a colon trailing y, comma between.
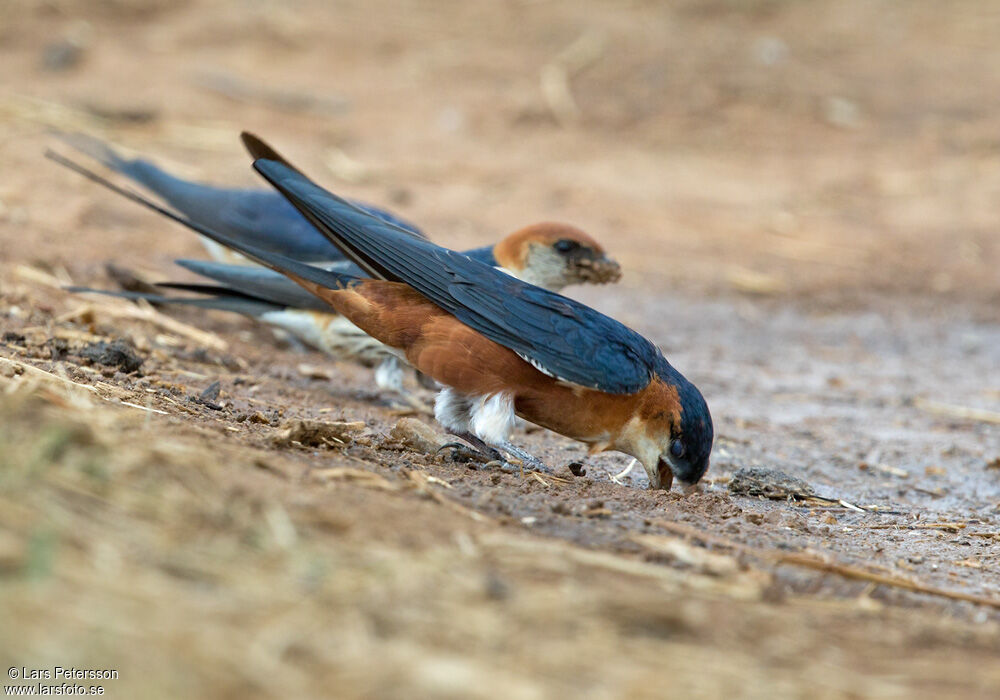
x: 483, y: 255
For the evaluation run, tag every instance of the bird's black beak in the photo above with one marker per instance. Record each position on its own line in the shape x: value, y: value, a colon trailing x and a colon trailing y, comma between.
x: 666, y: 474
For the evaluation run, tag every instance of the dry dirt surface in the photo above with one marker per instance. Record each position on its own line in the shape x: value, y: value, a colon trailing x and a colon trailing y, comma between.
x: 804, y: 197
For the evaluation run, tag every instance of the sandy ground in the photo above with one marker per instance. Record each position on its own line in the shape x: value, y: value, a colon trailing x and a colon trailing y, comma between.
x: 804, y: 198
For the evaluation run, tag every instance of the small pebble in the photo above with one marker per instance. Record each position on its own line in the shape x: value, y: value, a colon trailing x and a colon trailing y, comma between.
x: 416, y: 435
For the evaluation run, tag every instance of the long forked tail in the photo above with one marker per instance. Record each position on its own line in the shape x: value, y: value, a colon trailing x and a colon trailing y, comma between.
x: 287, y: 266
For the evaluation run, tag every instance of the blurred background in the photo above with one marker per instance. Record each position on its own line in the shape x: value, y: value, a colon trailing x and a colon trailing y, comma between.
x: 827, y: 149
x: 804, y: 197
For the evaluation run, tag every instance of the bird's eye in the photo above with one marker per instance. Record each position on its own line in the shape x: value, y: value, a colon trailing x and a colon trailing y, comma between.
x: 677, y: 448
x: 565, y: 245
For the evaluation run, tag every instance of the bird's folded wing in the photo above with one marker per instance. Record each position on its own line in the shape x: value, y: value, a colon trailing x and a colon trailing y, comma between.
x: 559, y: 336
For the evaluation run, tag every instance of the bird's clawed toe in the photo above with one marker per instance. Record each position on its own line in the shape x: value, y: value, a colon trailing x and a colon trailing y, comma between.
x: 460, y: 452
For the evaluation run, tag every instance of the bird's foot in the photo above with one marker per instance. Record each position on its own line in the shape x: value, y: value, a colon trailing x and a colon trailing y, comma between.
x: 496, y: 453
x: 527, y: 460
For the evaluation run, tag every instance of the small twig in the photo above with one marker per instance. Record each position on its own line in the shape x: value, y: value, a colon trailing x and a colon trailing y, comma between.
x: 179, y: 405
x: 539, y: 479
x: 617, y: 478
x: 889, y: 469
x: 439, y: 482
x: 851, y: 506
x: 239, y: 90
x: 362, y: 476
x: 39, y: 276
x: 935, y: 493
x: 558, y: 95
x: 952, y: 527
x: 31, y: 369
x: 144, y: 408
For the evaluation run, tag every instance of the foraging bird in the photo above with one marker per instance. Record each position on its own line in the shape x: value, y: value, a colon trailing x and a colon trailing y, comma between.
x: 500, y: 346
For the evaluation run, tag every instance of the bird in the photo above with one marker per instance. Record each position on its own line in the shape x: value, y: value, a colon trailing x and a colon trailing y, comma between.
x: 499, y: 347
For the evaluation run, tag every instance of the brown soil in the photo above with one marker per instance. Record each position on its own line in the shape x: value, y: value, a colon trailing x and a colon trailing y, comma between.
x: 804, y: 198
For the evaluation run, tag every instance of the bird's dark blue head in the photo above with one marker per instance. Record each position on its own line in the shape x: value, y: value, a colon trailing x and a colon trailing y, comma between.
x: 691, y: 447
x: 684, y: 455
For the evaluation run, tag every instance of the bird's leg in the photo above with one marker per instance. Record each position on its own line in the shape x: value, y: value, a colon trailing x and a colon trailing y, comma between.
x: 484, y: 422
x: 389, y: 374
x: 526, y: 458
x: 425, y: 381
